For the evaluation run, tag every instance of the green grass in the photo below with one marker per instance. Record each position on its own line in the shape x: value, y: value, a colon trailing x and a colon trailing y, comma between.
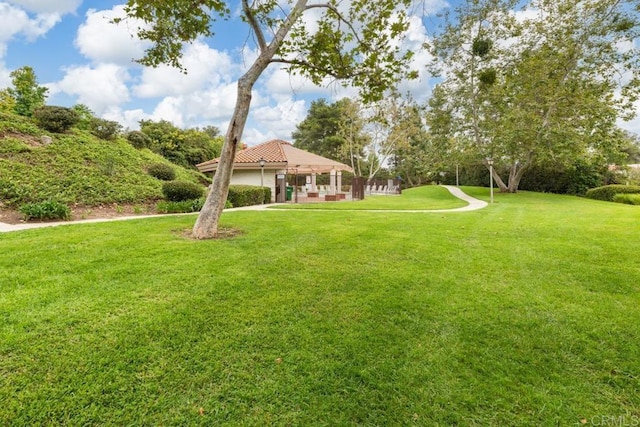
x: 419, y: 198
x: 523, y: 313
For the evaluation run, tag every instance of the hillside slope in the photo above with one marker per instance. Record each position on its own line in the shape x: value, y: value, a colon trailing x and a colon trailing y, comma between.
x: 75, y: 168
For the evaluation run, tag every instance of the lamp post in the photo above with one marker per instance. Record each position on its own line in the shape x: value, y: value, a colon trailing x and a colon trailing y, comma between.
x: 262, y: 161
x: 490, y: 163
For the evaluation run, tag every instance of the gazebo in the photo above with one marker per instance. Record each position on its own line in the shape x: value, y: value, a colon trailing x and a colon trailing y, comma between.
x: 268, y: 164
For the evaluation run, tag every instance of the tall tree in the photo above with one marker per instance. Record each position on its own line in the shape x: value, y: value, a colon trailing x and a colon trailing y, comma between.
x: 353, y: 42
x: 319, y: 131
x: 542, y: 88
x: 351, y: 129
x: 391, y: 124
x: 27, y: 93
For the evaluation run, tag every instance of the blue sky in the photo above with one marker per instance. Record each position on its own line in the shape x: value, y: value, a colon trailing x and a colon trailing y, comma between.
x: 82, y: 58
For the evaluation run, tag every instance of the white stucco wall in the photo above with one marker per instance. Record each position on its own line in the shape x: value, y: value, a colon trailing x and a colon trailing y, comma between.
x: 252, y: 177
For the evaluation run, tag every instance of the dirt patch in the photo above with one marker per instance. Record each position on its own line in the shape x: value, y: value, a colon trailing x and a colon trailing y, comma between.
x: 12, y: 216
x: 223, y: 233
x: 30, y: 140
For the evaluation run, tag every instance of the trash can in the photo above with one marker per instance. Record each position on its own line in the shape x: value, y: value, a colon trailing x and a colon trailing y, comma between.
x: 289, y: 193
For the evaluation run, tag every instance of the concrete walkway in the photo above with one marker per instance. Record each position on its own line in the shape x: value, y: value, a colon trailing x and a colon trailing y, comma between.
x: 474, y: 204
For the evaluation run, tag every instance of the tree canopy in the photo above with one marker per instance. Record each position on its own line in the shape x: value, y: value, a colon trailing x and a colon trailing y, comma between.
x: 324, y: 131
x: 26, y: 92
x: 543, y: 84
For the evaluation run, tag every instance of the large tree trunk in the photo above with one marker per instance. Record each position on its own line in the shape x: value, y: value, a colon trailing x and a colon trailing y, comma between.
x: 516, y: 172
x: 206, y: 226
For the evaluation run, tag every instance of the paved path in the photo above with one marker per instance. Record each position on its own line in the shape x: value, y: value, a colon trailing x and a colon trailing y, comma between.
x: 474, y: 204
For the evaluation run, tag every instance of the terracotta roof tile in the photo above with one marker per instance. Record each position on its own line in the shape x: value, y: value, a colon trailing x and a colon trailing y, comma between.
x: 283, y: 153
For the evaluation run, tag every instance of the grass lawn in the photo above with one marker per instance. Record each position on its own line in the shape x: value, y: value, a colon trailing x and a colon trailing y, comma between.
x: 523, y: 313
x: 428, y: 197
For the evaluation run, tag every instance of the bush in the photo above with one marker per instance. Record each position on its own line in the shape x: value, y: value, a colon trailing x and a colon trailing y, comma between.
x: 178, y: 191
x: 162, y: 171
x: 184, y: 206
x: 248, y: 195
x: 56, y: 119
x: 138, y: 139
x: 104, y: 129
x: 608, y: 192
x: 49, y: 209
x: 573, y: 179
x: 627, y: 199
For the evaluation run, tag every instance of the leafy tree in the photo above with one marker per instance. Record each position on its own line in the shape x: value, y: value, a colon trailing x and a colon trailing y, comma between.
x: 391, y: 124
x: 182, y: 147
x: 7, y: 101
x: 85, y: 116
x: 26, y: 92
x: 544, y: 89
x: 212, y: 131
x: 353, y: 43
x: 351, y: 130
x: 319, y: 131
x: 105, y: 129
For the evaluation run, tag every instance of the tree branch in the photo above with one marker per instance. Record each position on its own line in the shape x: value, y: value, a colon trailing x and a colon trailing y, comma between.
x: 262, y: 44
x: 305, y: 64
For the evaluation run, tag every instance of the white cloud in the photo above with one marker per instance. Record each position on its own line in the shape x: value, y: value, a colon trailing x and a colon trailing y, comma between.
x: 15, y: 21
x: 5, y: 78
x: 59, y: 7
x: 280, y: 120
x: 280, y: 82
x: 102, y: 41
x: 100, y: 88
x: 205, y: 67
x: 170, y: 109
x: 129, y: 118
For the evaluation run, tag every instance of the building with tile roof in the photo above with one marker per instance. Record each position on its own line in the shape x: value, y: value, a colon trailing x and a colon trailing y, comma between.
x: 268, y: 164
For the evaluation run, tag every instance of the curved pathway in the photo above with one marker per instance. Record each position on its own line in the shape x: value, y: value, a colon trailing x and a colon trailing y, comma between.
x: 473, y: 204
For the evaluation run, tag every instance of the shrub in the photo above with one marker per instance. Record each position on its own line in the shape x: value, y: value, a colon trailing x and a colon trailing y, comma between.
x: 49, y: 209
x: 138, y: 139
x: 104, y: 129
x: 608, y: 192
x: 628, y: 199
x: 56, y: 119
x: 183, y: 206
x: 178, y: 191
x: 162, y: 171
x: 248, y: 195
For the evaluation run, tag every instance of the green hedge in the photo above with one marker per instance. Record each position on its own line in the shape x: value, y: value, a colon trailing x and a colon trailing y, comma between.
x: 608, y: 192
x: 248, y: 195
x: 627, y: 199
x: 178, y: 191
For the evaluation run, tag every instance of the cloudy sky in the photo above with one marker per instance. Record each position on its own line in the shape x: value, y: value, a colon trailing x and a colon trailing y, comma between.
x: 83, y: 58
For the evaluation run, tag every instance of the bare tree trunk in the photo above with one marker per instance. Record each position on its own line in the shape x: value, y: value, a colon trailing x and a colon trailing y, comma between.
x: 516, y: 173
x: 206, y: 226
